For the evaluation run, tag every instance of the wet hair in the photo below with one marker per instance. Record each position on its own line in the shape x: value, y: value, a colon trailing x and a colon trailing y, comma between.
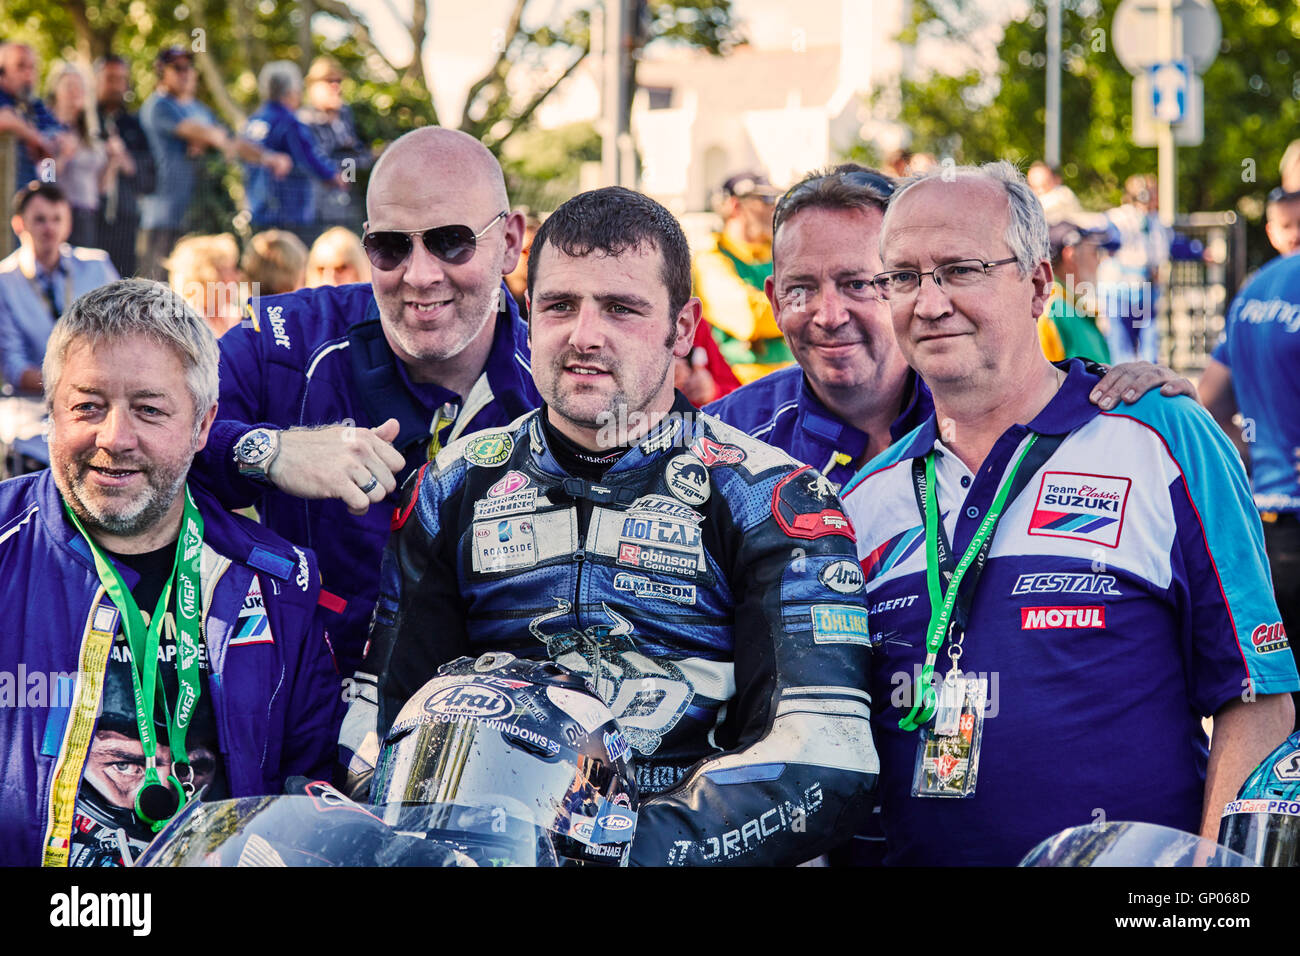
x: 847, y: 186
x: 611, y: 221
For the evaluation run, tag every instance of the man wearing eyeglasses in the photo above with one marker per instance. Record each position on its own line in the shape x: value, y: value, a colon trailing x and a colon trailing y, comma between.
x: 1058, y: 594
x: 336, y: 394
x: 852, y: 393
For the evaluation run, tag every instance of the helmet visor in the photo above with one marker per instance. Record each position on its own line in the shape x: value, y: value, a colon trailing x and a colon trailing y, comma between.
x: 500, y: 769
x: 1266, y: 831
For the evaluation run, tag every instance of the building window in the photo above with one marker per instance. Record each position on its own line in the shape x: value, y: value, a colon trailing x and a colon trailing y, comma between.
x: 660, y: 97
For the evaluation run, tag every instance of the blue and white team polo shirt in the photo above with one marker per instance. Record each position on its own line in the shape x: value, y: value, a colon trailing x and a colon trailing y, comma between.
x: 1261, y: 346
x: 1126, y: 595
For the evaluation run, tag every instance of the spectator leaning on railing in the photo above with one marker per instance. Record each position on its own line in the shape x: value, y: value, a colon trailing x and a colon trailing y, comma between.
x: 22, y: 113
x: 180, y: 130
x: 118, y: 221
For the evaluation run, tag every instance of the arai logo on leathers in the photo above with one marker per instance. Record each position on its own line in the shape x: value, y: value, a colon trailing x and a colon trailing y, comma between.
x: 844, y: 576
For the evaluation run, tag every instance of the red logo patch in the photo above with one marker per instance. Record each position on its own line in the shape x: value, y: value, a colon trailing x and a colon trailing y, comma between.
x: 1268, y: 638
x: 1049, y: 618
x: 712, y: 453
x: 792, y: 514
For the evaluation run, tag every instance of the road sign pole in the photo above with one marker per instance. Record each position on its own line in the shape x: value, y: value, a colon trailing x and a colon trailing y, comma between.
x: 1167, y: 155
x: 1052, y: 144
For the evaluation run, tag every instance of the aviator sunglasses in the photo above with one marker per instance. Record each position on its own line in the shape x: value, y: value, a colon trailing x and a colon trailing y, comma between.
x: 454, y: 245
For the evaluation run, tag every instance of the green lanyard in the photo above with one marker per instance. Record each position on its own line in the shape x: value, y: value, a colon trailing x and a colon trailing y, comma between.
x: 942, y: 603
x: 154, y: 804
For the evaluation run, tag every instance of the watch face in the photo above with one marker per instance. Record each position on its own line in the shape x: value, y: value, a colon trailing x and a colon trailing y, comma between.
x: 254, y: 446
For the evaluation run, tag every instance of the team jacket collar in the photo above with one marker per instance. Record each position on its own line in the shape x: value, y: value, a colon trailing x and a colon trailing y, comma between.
x: 819, y: 426
x: 1069, y: 409
x: 386, y: 389
x: 219, y: 531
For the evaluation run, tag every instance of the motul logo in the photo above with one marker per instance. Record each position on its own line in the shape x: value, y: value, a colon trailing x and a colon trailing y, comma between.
x: 1041, y: 618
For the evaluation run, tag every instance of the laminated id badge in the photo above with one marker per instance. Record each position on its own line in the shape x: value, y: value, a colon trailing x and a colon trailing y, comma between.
x: 948, y: 752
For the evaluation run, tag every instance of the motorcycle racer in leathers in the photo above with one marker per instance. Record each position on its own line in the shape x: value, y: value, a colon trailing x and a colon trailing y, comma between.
x: 704, y: 583
x: 727, y: 634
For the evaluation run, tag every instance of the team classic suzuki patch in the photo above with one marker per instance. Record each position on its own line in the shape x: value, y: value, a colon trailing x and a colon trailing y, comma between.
x: 1080, y: 507
x: 1050, y: 618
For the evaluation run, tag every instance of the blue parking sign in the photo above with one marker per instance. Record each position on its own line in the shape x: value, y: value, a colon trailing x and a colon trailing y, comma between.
x: 1169, y: 85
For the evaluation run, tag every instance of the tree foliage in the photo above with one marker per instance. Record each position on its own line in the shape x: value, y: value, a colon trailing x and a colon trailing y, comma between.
x: 1252, y: 102
x: 233, y: 39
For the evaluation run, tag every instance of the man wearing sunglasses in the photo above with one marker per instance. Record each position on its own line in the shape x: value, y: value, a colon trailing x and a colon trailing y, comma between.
x: 1058, y: 594
x: 851, y: 394
x: 336, y: 394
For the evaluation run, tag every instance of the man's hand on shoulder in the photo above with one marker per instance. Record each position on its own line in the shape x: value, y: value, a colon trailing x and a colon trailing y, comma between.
x: 1130, y: 381
x: 338, y: 461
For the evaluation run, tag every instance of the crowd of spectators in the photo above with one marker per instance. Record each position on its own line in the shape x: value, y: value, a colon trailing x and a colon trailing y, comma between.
x: 118, y: 192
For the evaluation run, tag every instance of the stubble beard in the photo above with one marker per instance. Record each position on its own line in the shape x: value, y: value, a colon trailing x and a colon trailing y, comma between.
x: 153, y: 503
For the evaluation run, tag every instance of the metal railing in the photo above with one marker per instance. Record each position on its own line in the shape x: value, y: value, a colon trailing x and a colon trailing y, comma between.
x: 1197, y: 291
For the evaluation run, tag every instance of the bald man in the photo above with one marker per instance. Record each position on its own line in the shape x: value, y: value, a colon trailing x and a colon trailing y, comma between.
x: 431, y: 348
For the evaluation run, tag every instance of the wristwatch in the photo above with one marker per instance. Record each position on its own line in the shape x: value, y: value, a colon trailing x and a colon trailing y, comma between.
x: 255, y: 451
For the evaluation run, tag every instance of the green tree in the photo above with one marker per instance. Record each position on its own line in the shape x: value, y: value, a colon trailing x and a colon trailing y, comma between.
x: 542, y: 166
x: 233, y: 39
x: 1252, y: 101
